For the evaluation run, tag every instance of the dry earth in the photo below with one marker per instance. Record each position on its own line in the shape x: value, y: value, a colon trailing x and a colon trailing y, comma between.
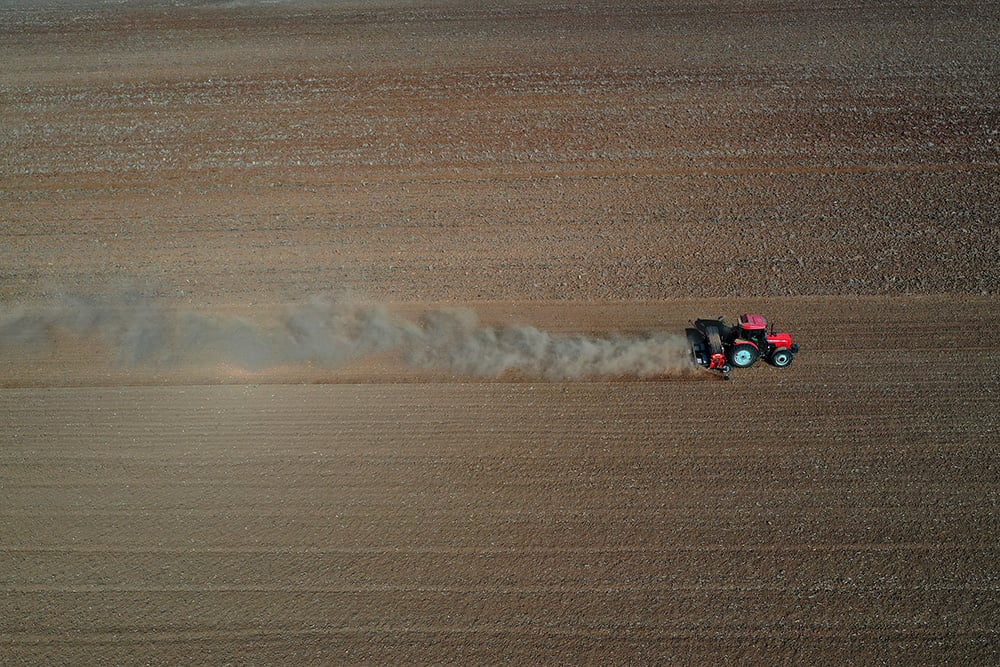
x: 603, y: 169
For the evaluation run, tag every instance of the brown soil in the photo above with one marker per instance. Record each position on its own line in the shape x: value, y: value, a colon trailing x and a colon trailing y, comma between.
x: 602, y: 168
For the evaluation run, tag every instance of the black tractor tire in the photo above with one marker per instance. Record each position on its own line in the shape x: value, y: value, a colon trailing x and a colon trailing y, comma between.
x: 713, y: 338
x: 781, y: 358
x: 743, y: 355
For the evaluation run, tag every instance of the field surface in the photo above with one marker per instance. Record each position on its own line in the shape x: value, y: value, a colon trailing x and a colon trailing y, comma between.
x: 351, y: 333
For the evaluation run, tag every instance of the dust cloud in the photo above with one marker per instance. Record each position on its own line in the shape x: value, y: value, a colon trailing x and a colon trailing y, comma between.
x: 331, y: 331
x: 454, y: 339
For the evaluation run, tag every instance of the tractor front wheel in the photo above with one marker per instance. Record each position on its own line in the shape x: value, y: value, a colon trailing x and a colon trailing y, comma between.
x: 743, y: 355
x: 781, y: 358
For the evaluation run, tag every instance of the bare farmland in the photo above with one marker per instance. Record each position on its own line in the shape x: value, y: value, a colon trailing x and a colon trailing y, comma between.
x: 599, y: 172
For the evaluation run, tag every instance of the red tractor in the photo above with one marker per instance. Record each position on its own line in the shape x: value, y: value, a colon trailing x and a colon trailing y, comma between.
x: 721, y: 347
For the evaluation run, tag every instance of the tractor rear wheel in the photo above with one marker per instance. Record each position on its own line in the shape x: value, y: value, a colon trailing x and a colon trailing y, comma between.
x: 743, y: 355
x: 781, y: 358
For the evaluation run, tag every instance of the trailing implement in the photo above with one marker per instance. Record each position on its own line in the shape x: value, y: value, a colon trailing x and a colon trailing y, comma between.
x: 719, y: 346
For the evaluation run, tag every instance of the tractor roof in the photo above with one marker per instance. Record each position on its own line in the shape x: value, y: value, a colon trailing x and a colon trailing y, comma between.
x: 753, y: 322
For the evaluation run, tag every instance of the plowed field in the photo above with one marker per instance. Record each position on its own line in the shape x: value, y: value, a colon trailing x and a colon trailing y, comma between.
x: 584, y: 175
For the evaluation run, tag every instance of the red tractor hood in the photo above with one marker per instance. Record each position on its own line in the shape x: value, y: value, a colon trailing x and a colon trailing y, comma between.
x: 780, y: 340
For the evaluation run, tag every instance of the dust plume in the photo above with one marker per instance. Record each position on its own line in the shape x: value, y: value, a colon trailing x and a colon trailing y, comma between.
x: 330, y: 332
x: 455, y: 340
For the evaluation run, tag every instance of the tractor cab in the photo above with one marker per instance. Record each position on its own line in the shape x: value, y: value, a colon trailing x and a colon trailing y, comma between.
x: 754, y: 329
